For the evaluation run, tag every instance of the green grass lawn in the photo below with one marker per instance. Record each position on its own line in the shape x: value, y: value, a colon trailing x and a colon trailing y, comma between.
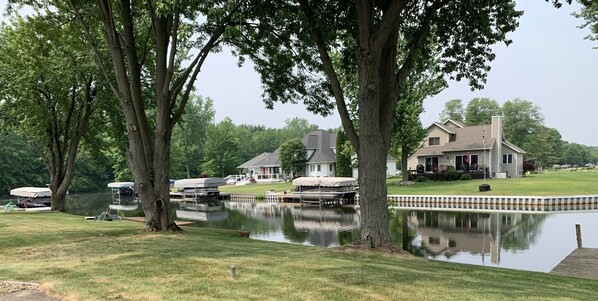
x: 92, y: 260
x: 564, y: 182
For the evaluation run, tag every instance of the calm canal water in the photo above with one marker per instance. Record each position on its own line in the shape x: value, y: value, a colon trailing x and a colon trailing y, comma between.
x: 525, y: 241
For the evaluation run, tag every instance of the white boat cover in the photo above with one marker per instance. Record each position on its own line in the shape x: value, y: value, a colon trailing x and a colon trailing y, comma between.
x: 200, y: 182
x: 32, y: 192
x: 121, y: 184
x: 324, y: 181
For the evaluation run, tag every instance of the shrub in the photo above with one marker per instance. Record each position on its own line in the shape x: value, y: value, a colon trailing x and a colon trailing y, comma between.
x: 529, y: 166
x: 421, y: 179
x: 451, y: 174
x: 465, y: 177
x: 260, y: 197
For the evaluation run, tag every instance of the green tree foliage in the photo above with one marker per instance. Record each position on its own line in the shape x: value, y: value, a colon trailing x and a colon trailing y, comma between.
x: 589, y: 13
x: 453, y: 109
x: 577, y: 154
x: 297, y: 128
x: 479, y: 111
x: 257, y: 139
x: 50, y: 87
x: 382, y: 41
x: 522, y: 120
x: 343, y: 157
x: 156, y: 50
x: 293, y: 157
x: 189, y: 137
x: 20, y: 164
x: 92, y: 173
x: 408, y: 132
x: 221, y: 150
x: 546, y: 147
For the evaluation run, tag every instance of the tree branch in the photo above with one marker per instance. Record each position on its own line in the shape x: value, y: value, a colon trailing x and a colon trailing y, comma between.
x: 331, y: 74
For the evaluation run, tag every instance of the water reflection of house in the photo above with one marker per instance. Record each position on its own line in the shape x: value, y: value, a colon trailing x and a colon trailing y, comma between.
x: 202, y: 216
x: 448, y: 233
x: 268, y: 213
x: 332, y: 219
x: 322, y: 225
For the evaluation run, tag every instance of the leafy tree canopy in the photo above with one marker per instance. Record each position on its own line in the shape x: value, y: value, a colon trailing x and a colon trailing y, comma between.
x: 453, y: 109
x: 293, y: 157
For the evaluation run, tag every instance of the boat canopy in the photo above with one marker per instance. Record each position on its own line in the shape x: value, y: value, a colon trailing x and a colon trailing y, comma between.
x: 200, y: 182
x: 32, y: 192
x: 121, y: 184
x: 325, y: 181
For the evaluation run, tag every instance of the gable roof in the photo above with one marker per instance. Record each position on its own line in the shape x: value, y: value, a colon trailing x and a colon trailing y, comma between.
x: 442, y: 127
x: 453, y: 123
x: 469, y: 138
x: 323, y: 143
x: 264, y: 159
x: 513, y: 147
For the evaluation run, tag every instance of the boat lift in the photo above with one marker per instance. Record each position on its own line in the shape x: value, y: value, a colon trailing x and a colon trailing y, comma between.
x: 120, y: 189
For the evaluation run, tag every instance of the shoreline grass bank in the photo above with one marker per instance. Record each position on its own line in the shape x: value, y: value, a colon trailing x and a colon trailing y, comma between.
x: 90, y: 260
x: 553, y: 183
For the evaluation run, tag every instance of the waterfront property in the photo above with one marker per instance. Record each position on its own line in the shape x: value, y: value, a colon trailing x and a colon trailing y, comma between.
x: 320, y: 161
x: 481, y: 147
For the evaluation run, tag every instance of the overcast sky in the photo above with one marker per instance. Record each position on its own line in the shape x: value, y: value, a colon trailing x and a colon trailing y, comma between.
x: 549, y: 63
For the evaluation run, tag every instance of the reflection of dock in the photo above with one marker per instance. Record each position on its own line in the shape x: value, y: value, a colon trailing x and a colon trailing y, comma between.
x: 582, y: 262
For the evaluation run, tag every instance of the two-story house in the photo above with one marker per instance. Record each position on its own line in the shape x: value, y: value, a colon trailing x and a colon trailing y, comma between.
x: 468, y: 147
x: 320, y: 146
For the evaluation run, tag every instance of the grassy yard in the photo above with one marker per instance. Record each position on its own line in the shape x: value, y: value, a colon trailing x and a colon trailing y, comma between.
x: 564, y: 182
x: 91, y: 260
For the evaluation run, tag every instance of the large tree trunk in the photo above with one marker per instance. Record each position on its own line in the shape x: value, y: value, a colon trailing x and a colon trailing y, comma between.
x: 372, y: 192
x: 59, y: 200
x: 404, y: 158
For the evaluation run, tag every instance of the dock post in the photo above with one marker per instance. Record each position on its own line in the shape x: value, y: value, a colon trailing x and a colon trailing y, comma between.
x: 578, y: 235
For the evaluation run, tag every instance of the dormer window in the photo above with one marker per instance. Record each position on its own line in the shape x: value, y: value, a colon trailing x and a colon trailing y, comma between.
x: 433, y: 141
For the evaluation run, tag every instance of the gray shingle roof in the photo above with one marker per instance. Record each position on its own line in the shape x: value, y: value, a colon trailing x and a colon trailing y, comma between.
x: 468, y: 138
x: 323, y: 143
x: 262, y: 160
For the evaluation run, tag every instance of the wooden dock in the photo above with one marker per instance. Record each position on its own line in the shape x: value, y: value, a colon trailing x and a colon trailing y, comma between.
x: 582, y: 262
x: 142, y: 220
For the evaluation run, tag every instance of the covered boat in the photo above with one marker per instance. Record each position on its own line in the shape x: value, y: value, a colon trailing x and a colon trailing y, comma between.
x: 199, y: 187
x: 32, y: 197
x: 123, y: 196
x: 325, y: 188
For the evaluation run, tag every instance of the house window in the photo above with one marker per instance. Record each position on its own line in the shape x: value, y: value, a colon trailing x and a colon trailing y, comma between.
x: 433, y: 141
x: 319, y: 167
x: 311, y: 168
x: 431, y: 163
x: 330, y: 166
x: 452, y: 137
x: 461, y: 162
x: 507, y: 159
x: 434, y: 240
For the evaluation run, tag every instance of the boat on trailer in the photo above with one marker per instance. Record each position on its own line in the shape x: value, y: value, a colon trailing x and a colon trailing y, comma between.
x: 33, y: 198
x: 123, y: 196
x: 320, y: 190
